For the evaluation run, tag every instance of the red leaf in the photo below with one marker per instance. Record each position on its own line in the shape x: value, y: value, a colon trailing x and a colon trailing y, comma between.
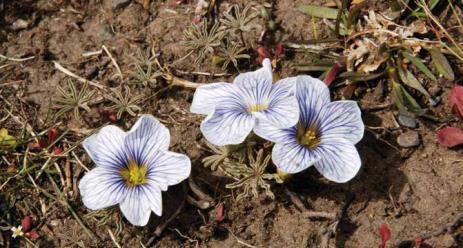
x: 42, y: 143
x: 279, y: 50
x: 456, y: 100
x: 33, y: 234
x: 26, y: 223
x: 332, y: 73
x: 52, y: 135
x: 385, y: 234
x: 418, y: 242
x: 174, y: 3
x: 57, y: 150
x: 220, y: 215
x: 450, y: 137
x: 263, y: 52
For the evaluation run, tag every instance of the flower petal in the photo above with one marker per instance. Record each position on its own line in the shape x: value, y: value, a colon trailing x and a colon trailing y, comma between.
x: 292, y: 157
x: 227, y: 126
x: 255, y: 87
x: 274, y: 134
x: 312, y: 94
x: 339, y: 162
x: 168, y: 168
x: 145, y: 138
x: 283, y: 108
x: 101, y: 188
x: 206, y: 97
x: 136, y: 207
x: 341, y: 119
x: 106, y: 148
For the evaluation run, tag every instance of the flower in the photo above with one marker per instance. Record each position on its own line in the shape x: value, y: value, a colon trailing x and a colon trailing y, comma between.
x: 233, y: 110
x: 132, y: 168
x: 17, y: 231
x: 324, y: 136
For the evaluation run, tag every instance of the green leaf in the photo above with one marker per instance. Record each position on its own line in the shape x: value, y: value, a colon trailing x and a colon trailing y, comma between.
x: 318, y: 11
x: 420, y: 65
x: 410, y: 80
x: 6, y: 141
x: 442, y: 64
x: 403, y: 100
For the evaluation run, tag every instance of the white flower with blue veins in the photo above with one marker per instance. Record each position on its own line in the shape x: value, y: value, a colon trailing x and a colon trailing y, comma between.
x: 325, y: 135
x: 234, y: 110
x: 132, y: 169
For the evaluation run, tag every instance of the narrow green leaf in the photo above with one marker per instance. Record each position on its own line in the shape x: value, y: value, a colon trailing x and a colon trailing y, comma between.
x: 403, y: 100
x: 442, y: 64
x: 318, y: 11
x: 410, y: 80
x: 312, y: 68
x: 433, y: 3
x: 420, y: 65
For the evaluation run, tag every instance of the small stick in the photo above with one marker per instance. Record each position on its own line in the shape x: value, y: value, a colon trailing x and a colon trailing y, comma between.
x: 114, y: 62
x: 240, y: 241
x: 63, y: 182
x: 447, y: 228
x: 198, y: 192
x: 181, y: 82
x: 198, y: 203
x: 67, y: 173
x: 305, y: 212
x: 81, y: 79
x: 79, y: 162
x: 113, y: 238
x: 203, y: 73
x: 15, y: 59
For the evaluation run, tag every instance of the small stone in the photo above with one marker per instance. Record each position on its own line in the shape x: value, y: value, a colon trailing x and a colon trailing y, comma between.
x: 117, y: 4
x: 19, y: 24
x: 409, y: 139
x: 407, y: 121
x: 435, y: 90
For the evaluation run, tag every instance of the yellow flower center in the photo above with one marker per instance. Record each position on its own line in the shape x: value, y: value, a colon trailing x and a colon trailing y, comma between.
x: 257, y: 108
x: 308, y: 137
x: 134, y: 174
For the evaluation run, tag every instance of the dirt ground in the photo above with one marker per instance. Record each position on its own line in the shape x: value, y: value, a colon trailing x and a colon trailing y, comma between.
x: 413, y: 190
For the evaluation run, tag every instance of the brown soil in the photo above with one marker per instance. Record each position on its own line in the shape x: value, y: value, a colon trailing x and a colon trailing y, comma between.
x: 414, y: 191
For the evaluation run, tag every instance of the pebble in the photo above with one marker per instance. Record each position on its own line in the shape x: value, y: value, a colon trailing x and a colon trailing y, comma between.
x: 19, y: 24
x: 408, y: 121
x: 435, y: 90
x: 409, y: 139
x: 117, y: 4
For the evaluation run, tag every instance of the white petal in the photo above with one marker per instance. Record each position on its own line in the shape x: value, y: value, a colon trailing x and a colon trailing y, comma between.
x: 168, y: 168
x: 292, y: 157
x: 137, y: 207
x: 283, y: 108
x: 274, y: 134
x: 286, y: 85
x: 312, y: 94
x: 145, y: 138
x: 206, y: 97
x: 227, y: 126
x: 106, y: 147
x: 255, y: 87
x: 101, y: 188
x: 154, y: 196
x: 340, y: 160
x: 342, y: 119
